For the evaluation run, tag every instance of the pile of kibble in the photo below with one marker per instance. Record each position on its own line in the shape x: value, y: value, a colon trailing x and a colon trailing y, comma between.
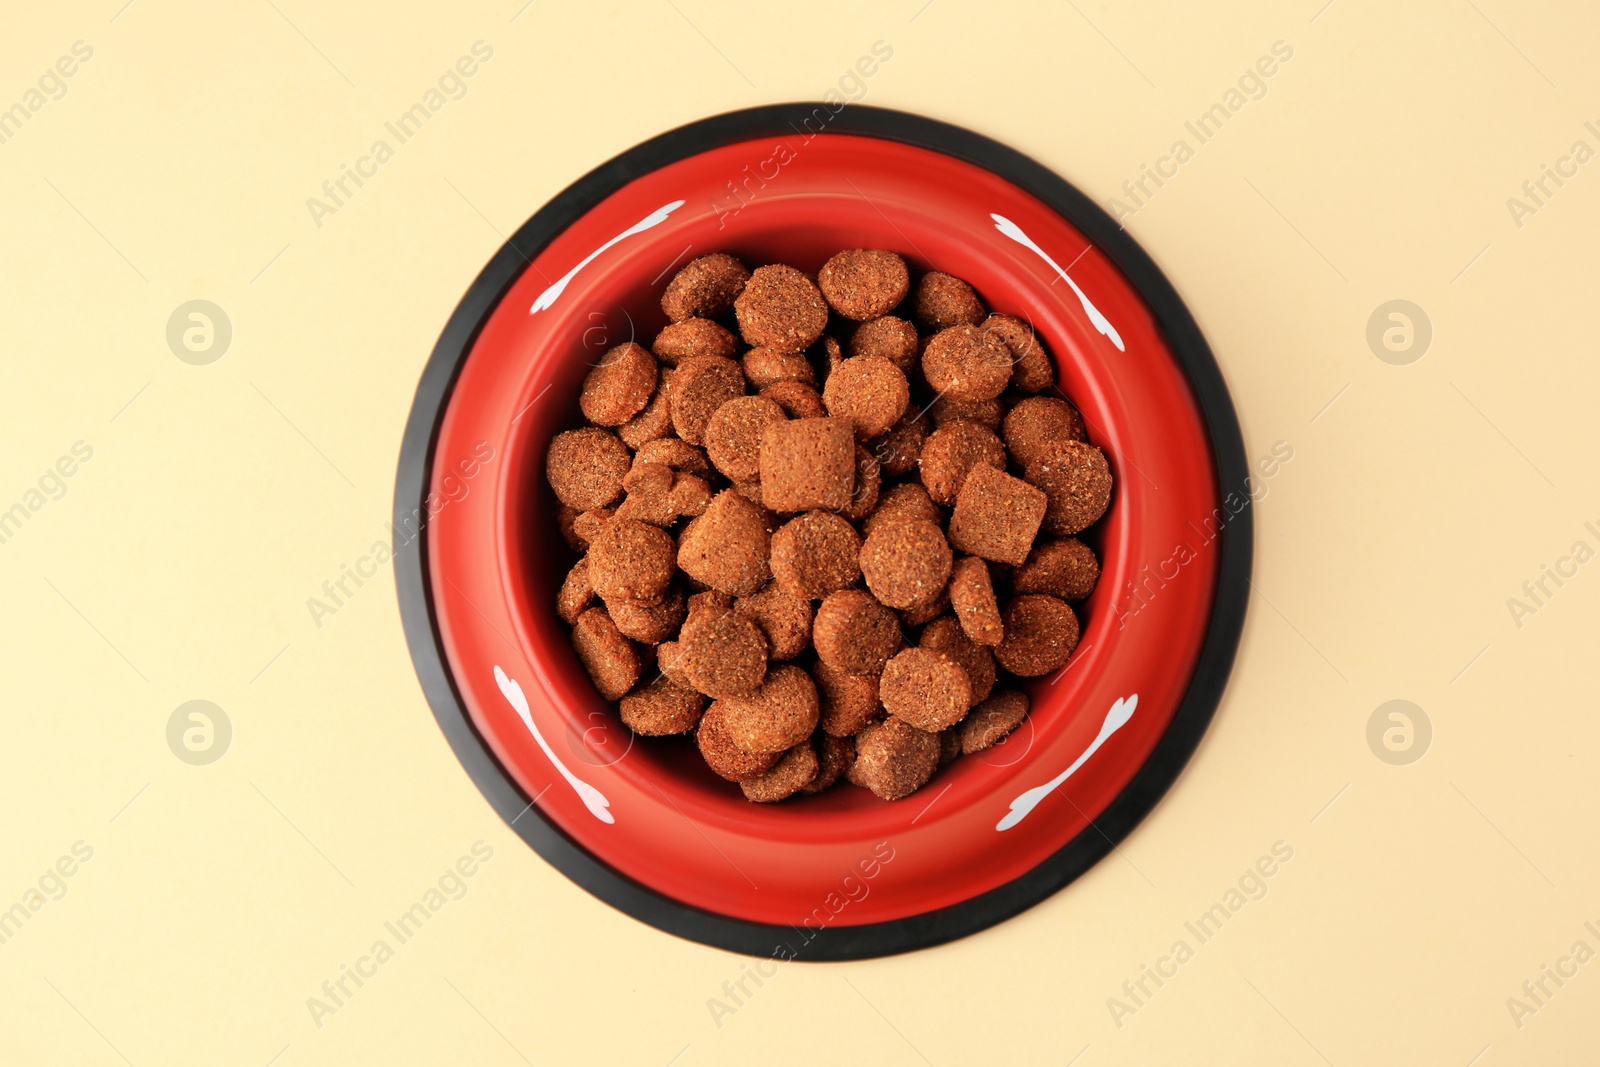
x: 768, y: 517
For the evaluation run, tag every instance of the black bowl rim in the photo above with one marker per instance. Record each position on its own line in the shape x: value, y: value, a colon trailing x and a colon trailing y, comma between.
x: 1127, y: 809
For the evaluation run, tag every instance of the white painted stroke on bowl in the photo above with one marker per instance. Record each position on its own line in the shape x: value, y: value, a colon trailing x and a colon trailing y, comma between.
x: 592, y: 798
x: 655, y: 218
x: 1101, y: 323
x: 1116, y: 718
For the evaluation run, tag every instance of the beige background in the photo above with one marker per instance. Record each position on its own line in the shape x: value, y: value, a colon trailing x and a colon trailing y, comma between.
x: 218, y: 499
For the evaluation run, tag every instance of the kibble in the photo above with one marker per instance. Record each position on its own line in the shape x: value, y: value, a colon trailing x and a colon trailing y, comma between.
x: 870, y: 392
x: 906, y: 563
x: 585, y: 467
x: 780, y: 308
x: 1041, y: 632
x: 619, y: 386
x: 815, y: 554
x: 705, y: 288
x: 1064, y: 568
x: 1076, y: 479
x: 1036, y: 425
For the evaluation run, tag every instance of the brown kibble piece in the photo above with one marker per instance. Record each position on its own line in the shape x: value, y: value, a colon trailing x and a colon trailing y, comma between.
x: 576, y: 593
x: 948, y: 409
x: 1038, y: 424
x: 906, y: 563
x: 662, y: 708
x: 1041, y: 632
x: 700, y: 386
x: 869, y: 480
x: 797, y: 399
x: 815, y: 554
x: 585, y: 467
x: 674, y: 453
x: 768, y: 366
x: 778, y: 715
x: 834, y: 756
x: 619, y: 386
x: 733, y: 436
x: 722, y: 654
x: 898, y: 450
x: 894, y: 759
x: 780, y: 308
x: 794, y: 771
x: 679, y: 341
x: 1031, y: 369
x: 667, y: 653
x: 566, y: 518
x: 943, y: 301
x: 966, y: 364
x: 658, y: 495
x: 945, y: 635
x: 630, y: 560
x: 648, y: 621
x: 996, y: 516
x: 903, y: 503
x: 784, y: 619
x: 924, y: 611
x: 950, y: 454
x: 972, y: 599
x: 926, y: 688
x: 848, y: 701
x: 1065, y: 568
x: 709, y: 602
x: 726, y: 548
x: 611, y: 660
x: 587, y: 526
x: 887, y: 338
x: 854, y: 633
x: 864, y: 283
x: 808, y: 464
x: 655, y: 421
x: 1076, y: 479
x: 705, y: 288
x: 722, y: 755
x: 871, y: 392
x: 992, y: 720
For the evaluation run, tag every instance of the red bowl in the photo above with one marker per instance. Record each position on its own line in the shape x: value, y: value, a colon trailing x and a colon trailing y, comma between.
x: 644, y: 824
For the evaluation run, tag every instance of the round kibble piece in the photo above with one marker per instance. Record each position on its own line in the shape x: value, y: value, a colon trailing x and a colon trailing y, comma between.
x: 894, y: 759
x: 722, y: 755
x: 631, y: 560
x: 1065, y: 568
x: 899, y: 449
x: 679, y: 341
x: 992, y: 720
x: 611, y: 660
x: 950, y: 454
x: 848, y: 701
x: 834, y: 756
x: 671, y: 452
x: 780, y: 308
x: 768, y: 366
x: 924, y: 611
x: 966, y: 364
x: 794, y: 771
x: 649, y: 621
x: 1038, y: 424
x: 722, y: 654
x: 655, y: 421
x: 705, y: 288
x: 927, y: 689
x: 798, y: 400
x: 945, y: 634
x: 1076, y: 480
x: 864, y: 283
x: 662, y: 708
x: 733, y: 435
x: 779, y: 715
x: 972, y: 598
x: 1031, y: 369
x: 887, y: 338
x: 586, y: 467
x: 854, y: 633
x: 943, y: 301
x: 869, y: 480
x: 906, y: 563
x: 700, y: 386
x: 587, y: 526
x: 619, y: 386
x: 576, y: 593
x: 871, y: 392
x: 1041, y: 632
x: 815, y: 554
x: 784, y: 619
x: 726, y: 548
x: 905, y: 502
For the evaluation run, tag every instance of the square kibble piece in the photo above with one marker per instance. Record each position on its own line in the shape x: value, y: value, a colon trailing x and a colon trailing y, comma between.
x: 996, y: 516
x: 809, y: 464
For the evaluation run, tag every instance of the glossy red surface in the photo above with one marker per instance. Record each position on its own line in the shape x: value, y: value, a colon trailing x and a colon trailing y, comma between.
x: 496, y: 557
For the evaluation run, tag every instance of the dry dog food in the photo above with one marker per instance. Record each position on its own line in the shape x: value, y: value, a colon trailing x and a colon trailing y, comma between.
x: 827, y: 523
